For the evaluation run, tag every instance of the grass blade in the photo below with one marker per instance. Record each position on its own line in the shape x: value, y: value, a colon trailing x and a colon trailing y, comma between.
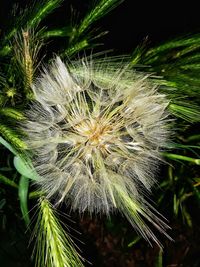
x: 23, y: 198
x: 7, y: 181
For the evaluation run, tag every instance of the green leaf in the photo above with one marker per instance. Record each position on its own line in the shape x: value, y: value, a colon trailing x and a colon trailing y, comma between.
x: 42, y: 10
x: 7, y: 145
x: 77, y: 47
x: 7, y: 181
x: 191, y: 114
x: 197, y: 193
x: 61, y: 32
x: 100, y: 10
x: 159, y: 259
x: 188, y: 42
x: 23, y: 198
x: 187, y: 216
x: 195, y: 137
x: 35, y: 194
x: 197, y: 179
x: 181, y: 157
x: 25, y: 168
x: 2, y: 203
x: 176, y: 205
x: 135, y: 241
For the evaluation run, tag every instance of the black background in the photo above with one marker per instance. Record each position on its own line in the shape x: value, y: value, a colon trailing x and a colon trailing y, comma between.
x: 128, y: 24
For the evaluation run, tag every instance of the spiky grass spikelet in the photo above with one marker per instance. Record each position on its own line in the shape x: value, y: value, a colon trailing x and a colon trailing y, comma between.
x: 96, y: 132
x: 54, y: 247
x: 27, y: 45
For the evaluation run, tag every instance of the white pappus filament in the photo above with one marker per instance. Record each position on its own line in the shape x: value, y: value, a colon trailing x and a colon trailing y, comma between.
x: 95, y: 132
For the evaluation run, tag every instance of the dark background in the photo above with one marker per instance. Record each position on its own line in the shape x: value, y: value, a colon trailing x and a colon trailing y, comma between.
x: 128, y: 24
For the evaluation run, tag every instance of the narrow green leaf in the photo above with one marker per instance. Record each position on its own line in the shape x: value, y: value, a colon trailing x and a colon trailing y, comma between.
x: 100, y: 10
x: 23, y: 198
x: 138, y: 53
x: 135, y: 241
x: 177, y: 145
x: 159, y: 259
x: 197, y: 193
x: 172, y: 44
x: 7, y: 181
x: 2, y: 203
x: 35, y: 194
x: 77, y: 47
x: 187, y: 216
x: 191, y: 114
x: 25, y: 168
x: 195, y: 137
x: 191, y: 66
x: 197, y: 180
x: 62, y: 32
x: 7, y: 145
x: 176, y: 205
x: 187, y: 50
x: 181, y: 157
x: 42, y: 10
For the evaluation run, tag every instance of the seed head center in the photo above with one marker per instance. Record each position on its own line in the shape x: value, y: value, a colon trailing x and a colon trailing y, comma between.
x: 95, y: 132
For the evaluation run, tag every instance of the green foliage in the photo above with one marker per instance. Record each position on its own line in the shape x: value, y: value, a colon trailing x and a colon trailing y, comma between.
x: 60, y: 32
x: 25, y: 168
x: 177, y: 62
x: 159, y: 259
x: 181, y: 157
x: 23, y: 198
x: 31, y: 18
x: 7, y: 181
x: 81, y: 36
x: 100, y: 10
x: 41, y: 10
x: 186, y: 111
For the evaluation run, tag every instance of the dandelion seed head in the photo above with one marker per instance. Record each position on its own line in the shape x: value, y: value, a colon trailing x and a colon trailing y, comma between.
x: 96, y: 132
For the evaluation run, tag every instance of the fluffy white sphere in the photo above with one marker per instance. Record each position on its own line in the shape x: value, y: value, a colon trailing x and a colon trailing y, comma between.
x: 95, y: 132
